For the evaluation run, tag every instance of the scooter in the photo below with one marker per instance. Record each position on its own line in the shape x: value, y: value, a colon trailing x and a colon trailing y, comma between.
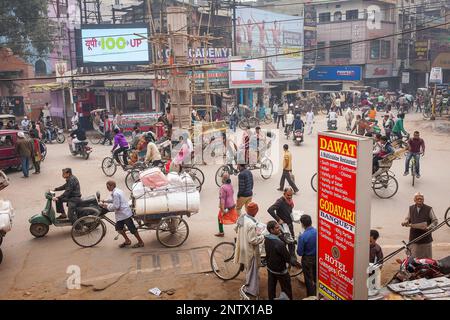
x: 332, y: 124
x: 81, y: 148
x: 40, y: 223
x: 298, y: 137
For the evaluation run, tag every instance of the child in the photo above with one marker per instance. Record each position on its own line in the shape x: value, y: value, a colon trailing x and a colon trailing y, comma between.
x: 375, y: 253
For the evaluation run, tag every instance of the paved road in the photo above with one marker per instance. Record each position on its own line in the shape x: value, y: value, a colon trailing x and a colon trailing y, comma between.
x: 37, y: 267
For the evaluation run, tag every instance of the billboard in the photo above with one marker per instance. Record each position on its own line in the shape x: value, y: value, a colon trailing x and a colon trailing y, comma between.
x: 343, y: 216
x: 264, y: 33
x: 112, y: 44
x: 247, y: 74
x: 335, y: 73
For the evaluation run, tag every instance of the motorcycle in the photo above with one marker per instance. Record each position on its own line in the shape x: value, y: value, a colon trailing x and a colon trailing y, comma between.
x: 56, y: 134
x: 81, y: 148
x: 332, y: 124
x: 40, y: 223
x: 414, y: 268
x: 6, y: 212
x: 298, y: 137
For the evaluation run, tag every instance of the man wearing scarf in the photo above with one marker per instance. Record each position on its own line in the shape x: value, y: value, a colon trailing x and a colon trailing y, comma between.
x: 281, y: 211
x: 247, y: 251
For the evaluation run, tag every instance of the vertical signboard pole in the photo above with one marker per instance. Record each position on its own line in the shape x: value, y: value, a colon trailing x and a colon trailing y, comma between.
x: 344, y: 183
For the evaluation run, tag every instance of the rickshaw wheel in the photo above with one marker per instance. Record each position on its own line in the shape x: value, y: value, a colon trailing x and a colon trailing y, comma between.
x: 447, y: 216
x: 88, y: 231
x: 266, y: 169
x: 39, y: 230
x: 314, y: 182
x: 219, y: 174
x: 172, y: 232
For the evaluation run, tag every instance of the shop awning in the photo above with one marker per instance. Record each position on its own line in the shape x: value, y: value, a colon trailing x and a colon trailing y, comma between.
x: 51, y: 86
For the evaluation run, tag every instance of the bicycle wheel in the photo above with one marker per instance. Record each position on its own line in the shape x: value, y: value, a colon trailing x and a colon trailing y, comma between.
x: 95, y: 137
x: 172, y: 232
x: 88, y: 231
x: 196, y: 172
x: 198, y: 183
x: 447, y: 217
x: 266, y: 168
x: 219, y: 173
x: 324, y: 110
x: 385, y: 186
x: 314, y: 182
x: 412, y: 167
x: 268, y: 119
x: 109, y: 166
x: 222, y: 263
x: 44, y: 152
x: 243, y: 124
x: 131, y: 178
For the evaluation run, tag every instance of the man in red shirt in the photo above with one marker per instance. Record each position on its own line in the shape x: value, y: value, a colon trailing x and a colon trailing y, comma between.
x: 416, y: 147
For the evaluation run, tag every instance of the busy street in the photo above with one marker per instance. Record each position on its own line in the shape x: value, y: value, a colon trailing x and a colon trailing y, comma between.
x: 251, y: 150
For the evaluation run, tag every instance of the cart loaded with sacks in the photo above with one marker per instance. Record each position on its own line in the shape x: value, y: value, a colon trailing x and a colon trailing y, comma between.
x: 158, y: 202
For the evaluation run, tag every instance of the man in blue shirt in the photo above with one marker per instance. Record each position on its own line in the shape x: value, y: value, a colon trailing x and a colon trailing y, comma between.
x: 306, y: 248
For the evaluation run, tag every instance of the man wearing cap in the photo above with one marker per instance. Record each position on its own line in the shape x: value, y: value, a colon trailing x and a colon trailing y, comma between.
x: 25, y: 124
x: 420, y: 219
x: 247, y: 251
x: 24, y: 149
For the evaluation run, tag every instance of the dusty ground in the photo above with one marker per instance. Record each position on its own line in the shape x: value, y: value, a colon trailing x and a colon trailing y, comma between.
x: 37, y: 268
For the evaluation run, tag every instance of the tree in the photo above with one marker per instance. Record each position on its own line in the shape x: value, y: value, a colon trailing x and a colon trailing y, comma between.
x: 24, y: 26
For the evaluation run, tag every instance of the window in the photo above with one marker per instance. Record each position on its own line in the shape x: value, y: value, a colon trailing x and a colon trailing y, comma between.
x: 325, y: 17
x: 6, y: 141
x: 337, y: 16
x: 340, y: 49
x: 321, y: 52
x: 117, y: 2
x: 351, y: 15
x: 40, y: 67
x: 385, y: 49
x: 375, y: 49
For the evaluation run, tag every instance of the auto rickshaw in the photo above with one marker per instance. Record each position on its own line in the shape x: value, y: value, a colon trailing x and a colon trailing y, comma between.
x: 5, y: 119
x: 9, y: 158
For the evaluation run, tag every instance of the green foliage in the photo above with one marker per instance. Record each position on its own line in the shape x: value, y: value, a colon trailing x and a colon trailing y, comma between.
x: 24, y: 24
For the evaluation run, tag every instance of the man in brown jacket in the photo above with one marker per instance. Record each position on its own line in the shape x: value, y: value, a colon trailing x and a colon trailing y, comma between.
x: 420, y: 219
x: 24, y: 149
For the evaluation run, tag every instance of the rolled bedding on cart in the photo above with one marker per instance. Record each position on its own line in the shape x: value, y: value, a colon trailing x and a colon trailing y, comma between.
x: 179, y: 194
x: 6, y: 215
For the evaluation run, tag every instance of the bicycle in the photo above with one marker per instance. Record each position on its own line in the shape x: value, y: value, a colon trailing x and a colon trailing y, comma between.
x: 223, y: 266
x: 265, y: 167
x: 384, y: 185
x: 110, y: 164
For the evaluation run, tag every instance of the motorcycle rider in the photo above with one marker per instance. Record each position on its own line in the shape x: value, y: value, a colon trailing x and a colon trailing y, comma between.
x: 78, y: 135
x: 332, y: 116
x: 49, y: 128
x: 71, y: 195
x: 289, y: 122
x: 298, y: 124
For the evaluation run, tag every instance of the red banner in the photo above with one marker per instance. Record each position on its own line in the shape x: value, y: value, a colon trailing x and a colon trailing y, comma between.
x: 336, y: 217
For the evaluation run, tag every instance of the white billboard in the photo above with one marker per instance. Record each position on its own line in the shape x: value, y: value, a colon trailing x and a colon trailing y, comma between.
x: 247, y: 74
x: 103, y: 45
x: 263, y: 33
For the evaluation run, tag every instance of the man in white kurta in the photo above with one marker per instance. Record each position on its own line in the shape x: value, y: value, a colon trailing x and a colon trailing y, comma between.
x: 247, y: 250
